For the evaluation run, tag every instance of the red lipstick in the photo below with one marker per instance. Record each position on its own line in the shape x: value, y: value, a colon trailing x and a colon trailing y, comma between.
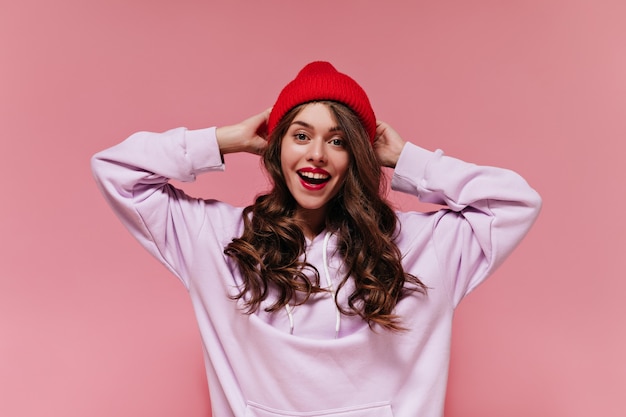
x: 313, y: 178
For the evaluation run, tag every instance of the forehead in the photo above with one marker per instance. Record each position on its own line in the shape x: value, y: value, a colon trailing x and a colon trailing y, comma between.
x: 316, y: 115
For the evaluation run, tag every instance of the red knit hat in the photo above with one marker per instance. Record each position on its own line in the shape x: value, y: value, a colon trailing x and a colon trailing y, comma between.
x: 321, y: 81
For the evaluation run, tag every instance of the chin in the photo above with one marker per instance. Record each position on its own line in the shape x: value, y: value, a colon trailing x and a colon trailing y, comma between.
x: 311, y: 207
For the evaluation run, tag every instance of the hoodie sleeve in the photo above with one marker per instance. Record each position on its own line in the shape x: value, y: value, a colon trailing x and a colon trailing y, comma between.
x: 133, y: 177
x: 489, y: 210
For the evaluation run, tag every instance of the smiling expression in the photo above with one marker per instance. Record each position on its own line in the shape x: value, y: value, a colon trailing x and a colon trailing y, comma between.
x: 314, y: 159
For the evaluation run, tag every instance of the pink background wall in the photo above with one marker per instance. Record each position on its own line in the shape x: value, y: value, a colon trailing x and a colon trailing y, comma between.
x: 91, y: 326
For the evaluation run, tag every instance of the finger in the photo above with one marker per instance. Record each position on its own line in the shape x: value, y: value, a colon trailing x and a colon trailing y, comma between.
x: 381, y: 127
x: 265, y: 114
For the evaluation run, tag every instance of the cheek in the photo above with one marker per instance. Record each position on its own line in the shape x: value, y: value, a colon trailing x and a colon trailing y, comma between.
x: 343, y: 166
x: 287, y: 155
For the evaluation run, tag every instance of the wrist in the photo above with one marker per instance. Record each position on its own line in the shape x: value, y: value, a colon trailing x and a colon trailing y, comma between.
x: 228, y: 139
x: 397, y: 152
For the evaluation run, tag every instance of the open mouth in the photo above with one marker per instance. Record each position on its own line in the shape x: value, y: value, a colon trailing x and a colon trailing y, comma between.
x: 314, y: 178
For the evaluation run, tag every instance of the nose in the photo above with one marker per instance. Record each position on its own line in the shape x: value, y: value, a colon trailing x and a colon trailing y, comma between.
x: 317, y: 151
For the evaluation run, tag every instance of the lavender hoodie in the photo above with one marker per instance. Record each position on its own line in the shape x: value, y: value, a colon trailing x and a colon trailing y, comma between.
x: 308, y: 360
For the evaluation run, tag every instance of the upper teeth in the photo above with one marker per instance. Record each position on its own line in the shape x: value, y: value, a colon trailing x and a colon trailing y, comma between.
x: 314, y: 175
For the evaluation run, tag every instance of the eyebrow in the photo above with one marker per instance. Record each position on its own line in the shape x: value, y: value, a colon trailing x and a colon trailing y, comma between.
x: 308, y: 126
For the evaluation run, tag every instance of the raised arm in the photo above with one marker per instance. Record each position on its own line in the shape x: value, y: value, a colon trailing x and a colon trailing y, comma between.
x: 134, y: 179
x: 489, y: 210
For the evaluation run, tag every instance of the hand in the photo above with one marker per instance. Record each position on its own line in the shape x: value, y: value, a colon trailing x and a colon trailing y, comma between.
x: 387, y: 145
x: 247, y: 136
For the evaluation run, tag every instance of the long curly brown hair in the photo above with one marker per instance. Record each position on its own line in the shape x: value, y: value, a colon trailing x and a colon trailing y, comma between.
x: 269, y: 250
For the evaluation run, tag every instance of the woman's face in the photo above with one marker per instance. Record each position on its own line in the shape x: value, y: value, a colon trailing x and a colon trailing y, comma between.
x: 314, y: 158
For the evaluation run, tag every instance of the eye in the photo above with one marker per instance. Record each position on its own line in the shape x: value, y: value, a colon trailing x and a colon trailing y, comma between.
x: 300, y: 137
x: 337, y: 142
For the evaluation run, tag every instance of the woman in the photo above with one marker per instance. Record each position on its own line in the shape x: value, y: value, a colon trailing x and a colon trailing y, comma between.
x: 318, y: 299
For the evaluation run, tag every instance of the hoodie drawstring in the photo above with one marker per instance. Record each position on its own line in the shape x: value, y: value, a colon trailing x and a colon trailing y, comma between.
x: 329, y: 283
